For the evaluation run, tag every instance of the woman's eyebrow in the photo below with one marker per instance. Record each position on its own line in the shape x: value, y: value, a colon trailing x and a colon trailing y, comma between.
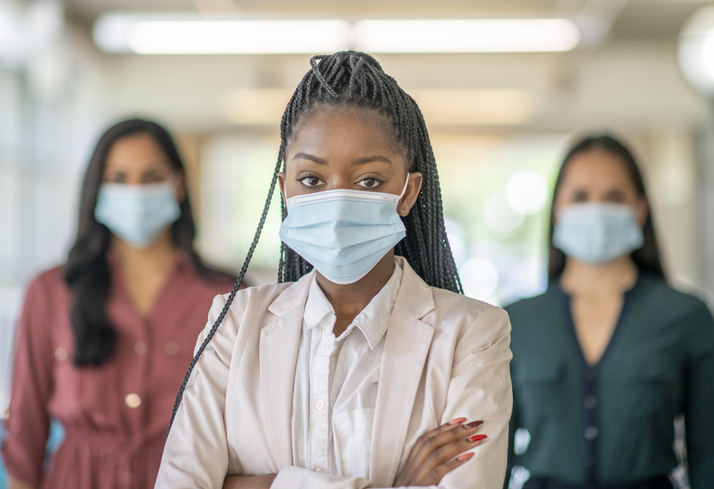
x: 359, y: 161
x: 306, y: 156
x: 369, y: 159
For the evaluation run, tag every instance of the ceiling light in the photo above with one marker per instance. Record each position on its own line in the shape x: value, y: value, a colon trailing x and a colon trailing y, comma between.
x: 120, y: 33
x: 188, y: 34
x: 460, y: 107
x: 696, y: 51
x: 466, y: 35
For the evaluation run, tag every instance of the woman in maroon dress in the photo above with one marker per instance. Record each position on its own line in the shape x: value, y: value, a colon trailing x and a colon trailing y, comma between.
x: 104, y: 340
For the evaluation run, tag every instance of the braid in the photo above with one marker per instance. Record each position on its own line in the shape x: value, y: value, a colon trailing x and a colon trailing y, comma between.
x: 356, y: 79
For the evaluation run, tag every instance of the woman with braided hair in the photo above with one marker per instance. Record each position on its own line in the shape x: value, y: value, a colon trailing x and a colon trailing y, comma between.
x: 365, y: 366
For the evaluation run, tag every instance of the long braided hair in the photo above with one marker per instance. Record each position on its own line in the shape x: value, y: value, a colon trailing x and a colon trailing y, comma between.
x: 354, y: 79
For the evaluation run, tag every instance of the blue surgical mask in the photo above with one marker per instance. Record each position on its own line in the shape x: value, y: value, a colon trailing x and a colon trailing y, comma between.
x: 137, y: 214
x: 343, y: 233
x: 596, y: 232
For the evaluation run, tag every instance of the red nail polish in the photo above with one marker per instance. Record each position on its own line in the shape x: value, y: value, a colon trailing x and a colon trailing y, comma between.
x: 464, y: 457
x: 477, y: 437
x: 457, y: 421
x: 474, y: 424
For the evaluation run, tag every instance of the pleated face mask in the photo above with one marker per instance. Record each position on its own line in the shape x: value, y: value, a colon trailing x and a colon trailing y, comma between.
x: 343, y: 233
x: 597, y: 232
x: 138, y: 214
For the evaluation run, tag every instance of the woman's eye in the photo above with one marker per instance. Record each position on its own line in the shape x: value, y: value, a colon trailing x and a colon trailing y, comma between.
x: 116, y: 178
x: 310, y: 181
x: 580, y: 196
x: 369, y: 183
x: 615, y: 196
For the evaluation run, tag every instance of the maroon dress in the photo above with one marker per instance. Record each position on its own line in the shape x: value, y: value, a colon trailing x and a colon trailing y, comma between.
x: 115, y: 416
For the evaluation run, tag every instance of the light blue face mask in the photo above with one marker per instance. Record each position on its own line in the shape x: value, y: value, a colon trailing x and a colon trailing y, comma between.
x: 596, y: 232
x: 343, y: 233
x: 137, y: 214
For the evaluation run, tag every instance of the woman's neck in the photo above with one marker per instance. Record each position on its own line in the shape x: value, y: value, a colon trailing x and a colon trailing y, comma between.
x: 158, y: 255
x: 348, y: 300
x: 586, y: 279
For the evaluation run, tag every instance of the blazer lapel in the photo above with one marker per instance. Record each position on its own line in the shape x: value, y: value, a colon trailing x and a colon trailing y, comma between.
x: 406, y: 348
x: 279, y: 343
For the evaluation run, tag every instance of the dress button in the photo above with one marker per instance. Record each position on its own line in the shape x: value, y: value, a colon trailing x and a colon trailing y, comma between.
x: 132, y: 400
x: 141, y: 348
x: 319, y: 469
x: 60, y: 354
x: 171, y: 349
x: 319, y: 405
x: 591, y: 432
x: 590, y: 402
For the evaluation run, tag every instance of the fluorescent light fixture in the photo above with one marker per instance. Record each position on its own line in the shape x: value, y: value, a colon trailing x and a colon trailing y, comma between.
x: 441, y: 107
x: 187, y: 34
x: 474, y: 107
x: 466, y: 35
x: 190, y: 35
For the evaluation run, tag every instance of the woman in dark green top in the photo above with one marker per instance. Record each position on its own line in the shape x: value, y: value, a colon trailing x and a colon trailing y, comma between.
x: 609, y: 355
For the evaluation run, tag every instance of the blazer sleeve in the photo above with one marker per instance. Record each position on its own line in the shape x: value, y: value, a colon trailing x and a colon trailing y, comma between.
x: 699, y: 402
x: 196, y: 450
x: 28, y: 423
x: 480, y: 387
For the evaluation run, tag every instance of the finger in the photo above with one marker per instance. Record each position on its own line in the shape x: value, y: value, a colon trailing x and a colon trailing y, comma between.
x: 434, y: 477
x: 414, y: 455
x: 446, y: 453
x: 431, y: 455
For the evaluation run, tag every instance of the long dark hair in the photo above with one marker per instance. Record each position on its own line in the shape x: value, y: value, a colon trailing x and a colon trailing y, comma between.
x: 647, y: 257
x: 87, y: 271
x: 356, y: 79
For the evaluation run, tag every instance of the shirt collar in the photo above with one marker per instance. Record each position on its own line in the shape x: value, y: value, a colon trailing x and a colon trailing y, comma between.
x: 372, y: 321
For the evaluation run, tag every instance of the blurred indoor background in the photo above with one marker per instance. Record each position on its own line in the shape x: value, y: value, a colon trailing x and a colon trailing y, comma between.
x: 499, y: 121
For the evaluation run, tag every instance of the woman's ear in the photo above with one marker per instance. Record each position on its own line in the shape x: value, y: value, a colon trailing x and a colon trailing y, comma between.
x: 281, y: 182
x: 642, y: 210
x: 410, y: 195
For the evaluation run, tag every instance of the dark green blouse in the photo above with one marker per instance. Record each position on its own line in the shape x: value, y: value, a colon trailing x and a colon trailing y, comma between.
x: 614, y: 422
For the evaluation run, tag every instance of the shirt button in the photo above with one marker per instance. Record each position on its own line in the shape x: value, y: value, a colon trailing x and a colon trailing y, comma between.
x: 319, y: 405
x: 140, y: 348
x: 60, y: 354
x: 591, y: 432
x: 171, y: 349
x: 590, y: 402
x: 132, y: 400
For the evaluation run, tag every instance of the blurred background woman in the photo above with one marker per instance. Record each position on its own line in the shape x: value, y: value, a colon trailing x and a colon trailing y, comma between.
x: 609, y: 355
x: 104, y: 340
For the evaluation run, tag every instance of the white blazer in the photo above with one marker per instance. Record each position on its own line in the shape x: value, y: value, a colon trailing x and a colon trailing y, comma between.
x: 445, y: 356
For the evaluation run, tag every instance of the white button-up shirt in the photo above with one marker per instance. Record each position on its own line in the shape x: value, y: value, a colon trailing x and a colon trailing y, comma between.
x: 336, y: 379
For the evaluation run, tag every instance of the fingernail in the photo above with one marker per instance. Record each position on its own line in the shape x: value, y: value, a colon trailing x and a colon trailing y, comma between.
x: 457, y: 421
x: 465, y: 457
x: 474, y: 424
x: 477, y: 437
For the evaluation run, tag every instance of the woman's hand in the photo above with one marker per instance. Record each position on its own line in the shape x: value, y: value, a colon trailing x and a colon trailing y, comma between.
x: 438, y: 452
x: 249, y: 481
